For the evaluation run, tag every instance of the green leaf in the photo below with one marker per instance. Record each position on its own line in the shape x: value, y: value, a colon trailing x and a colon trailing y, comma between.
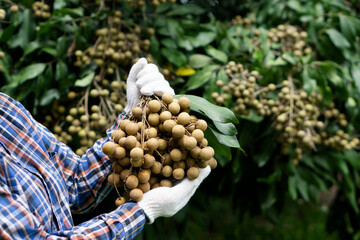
x: 26, y: 31
x: 168, y: 42
x: 227, y: 140
x: 226, y: 128
x: 86, y: 81
x: 347, y: 26
x: 51, y: 51
x: 58, y: 4
x: 174, y: 56
x: 186, y: 9
x: 49, y: 96
x: 292, y: 187
x: 337, y: 38
x: 217, y: 54
x: 212, y: 111
x: 302, y: 186
x: 355, y: 72
x: 204, y: 39
x: 61, y: 71
x: 26, y: 73
x: 200, y: 78
x: 199, y: 60
x: 219, y: 148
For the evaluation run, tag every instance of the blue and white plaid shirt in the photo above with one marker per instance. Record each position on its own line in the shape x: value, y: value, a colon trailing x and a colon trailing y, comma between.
x: 42, y: 180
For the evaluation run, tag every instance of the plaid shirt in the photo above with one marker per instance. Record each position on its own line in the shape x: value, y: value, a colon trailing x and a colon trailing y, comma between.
x: 42, y: 180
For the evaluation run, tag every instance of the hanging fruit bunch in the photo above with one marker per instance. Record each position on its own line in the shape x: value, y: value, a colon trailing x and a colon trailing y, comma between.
x: 157, y: 145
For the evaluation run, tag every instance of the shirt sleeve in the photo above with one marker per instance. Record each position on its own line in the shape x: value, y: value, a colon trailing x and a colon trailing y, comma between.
x: 18, y: 222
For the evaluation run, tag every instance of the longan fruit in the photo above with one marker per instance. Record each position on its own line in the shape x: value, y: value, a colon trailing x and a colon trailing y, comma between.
x: 130, y: 142
x: 166, y: 159
x: 114, y: 179
x: 174, y: 108
x: 206, y: 153
x: 183, y: 118
x: 144, y: 175
x: 190, y: 143
x: 165, y: 115
x: 117, y: 167
x: 132, y: 182
x: 152, y: 144
x: 168, y: 125
x: 144, y: 187
x: 131, y: 128
x: 149, y: 161
x: 124, y: 162
x: 151, y: 132
x: 166, y: 171
x: 124, y: 123
x: 156, y: 185
x: 201, y: 124
x: 192, y: 173
x: 136, y: 153
x: 136, y: 163
x: 195, y: 152
x: 165, y: 183
x: 156, y: 168
x: 178, y: 173
x: 190, y: 162
x: 178, y: 131
x: 212, y: 163
x: 117, y: 134
x: 137, y: 112
x: 154, y: 106
x: 180, y: 164
x: 175, y: 155
x: 119, y: 201
x: 120, y: 152
x: 122, y: 141
x: 162, y: 144
x: 136, y: 194
x: 154, y: 119
x: 198, y: 134
x: 153, y: 180
x: 184, y: 102
x: 202, y: 164
x: 109, y: 148
x: 204, y: 142
x: 167, y: 98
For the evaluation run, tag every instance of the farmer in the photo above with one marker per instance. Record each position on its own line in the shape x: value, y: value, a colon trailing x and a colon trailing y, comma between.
x: 42, y: 180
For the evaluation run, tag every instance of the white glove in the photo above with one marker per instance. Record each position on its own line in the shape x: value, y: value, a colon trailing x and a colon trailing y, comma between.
x: 145, y: 79
x: 165, y: 201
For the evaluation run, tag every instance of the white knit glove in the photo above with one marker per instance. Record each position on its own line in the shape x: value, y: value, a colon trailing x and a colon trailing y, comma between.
x: 145, y: 79
x: 165, y: 201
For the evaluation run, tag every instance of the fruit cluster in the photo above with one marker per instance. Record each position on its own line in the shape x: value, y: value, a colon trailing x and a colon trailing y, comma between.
x: 158, y: 144
x: 2, y: 14
x: 141, y: 3
x: 297, y: 116
x: 41, y: 10
x: 244, y: 21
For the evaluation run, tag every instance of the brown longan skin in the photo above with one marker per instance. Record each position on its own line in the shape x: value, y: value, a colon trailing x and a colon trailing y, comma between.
x: 154, y: 106
x: 130, y: 142
x: 144, y: 176
x: 136, y: 194
x: 149, y: 161
x: 175, y: 155
x: 114, y: 179
x: 165, y: 183
x: 132, y: 182
x: 192, y: 173
x: 167, y: 98
x: 119, y: 201
x: 184, y: 102
x: 156, y: 168
x: 137, y: 112
x: 174, y: 108
x: 178, y: 173
x: 178, y: 131
x: 120, y: 152
x: 131, y: 128
x: 166, y: 171
x: 144, y: 187
x: 109, y: 148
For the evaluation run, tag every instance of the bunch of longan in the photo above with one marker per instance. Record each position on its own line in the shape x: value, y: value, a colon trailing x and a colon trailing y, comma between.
x: 244, y: 21
x: 141, y: 3
x: 41, y: 10
x: 157, y: 145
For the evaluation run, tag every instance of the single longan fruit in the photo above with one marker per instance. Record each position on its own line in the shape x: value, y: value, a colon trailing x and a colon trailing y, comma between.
x: 153, y: 180
x: 152, y: 144
x: 206, y: 153
x: 212, y: 163
x: 198, y: 134
x: 180, y: 164
x: 156, y: 185
x: 122, y: 141
x: 144, y: 187
x: 190, y: 162
x: 166, y: 171
x: 162, y: 144
x: 151, y: 132
x: 117, y: 134
x: 149, y: 161
x: 136, y: 194
x: 175, y: 155
x: 120, y: 152
x: 190, y: 143
x: 140, y: 124
x: 166, y: 159
x: 168, y: 125
x: 124, y: 174
x: 136, y: 153
x: 192, y: 173
x: 204, y: 142
x: 117, y: 167
x: 124, y: 162
x: 131, y: 128
x: 119, y: 201
x: 174, y: 108
x: 130, y: 142
x: 165, y: 183
x: 202, y: 164
x: 167, y: 98
x: 184, y: 102
x: 137, y: 112
x: 154, y: 106
x: 178, y: 131
x: 191, y: 127
x: 201, y: 124
x: 165, y: 115
x: 109, y: 148
x: 183, y: 118
x: 114, y: 179
x: 154, y: 119
x: 156, y: 168
x: 184, y: 154
x: 132, y: 182
x: 178, y: 173
x: 124, y: 123
x: 144, y: 175
x: 136, y: 163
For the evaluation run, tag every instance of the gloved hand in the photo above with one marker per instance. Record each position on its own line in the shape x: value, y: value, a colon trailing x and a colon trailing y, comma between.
x: 165, y: 201
x: 144, y: 79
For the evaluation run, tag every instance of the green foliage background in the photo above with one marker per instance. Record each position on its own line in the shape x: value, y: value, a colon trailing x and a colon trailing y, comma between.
x: 258, y: 195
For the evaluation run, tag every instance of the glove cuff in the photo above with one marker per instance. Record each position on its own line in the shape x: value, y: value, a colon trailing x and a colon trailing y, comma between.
x: 151, y: 210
